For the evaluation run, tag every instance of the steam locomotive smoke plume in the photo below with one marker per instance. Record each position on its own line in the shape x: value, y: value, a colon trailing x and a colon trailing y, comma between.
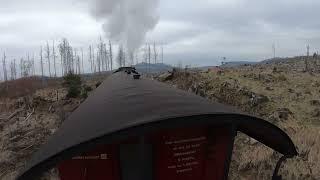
x: 126, y: 21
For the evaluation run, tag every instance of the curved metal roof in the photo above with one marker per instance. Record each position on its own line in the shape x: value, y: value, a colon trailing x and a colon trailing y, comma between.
x: 122, y: 107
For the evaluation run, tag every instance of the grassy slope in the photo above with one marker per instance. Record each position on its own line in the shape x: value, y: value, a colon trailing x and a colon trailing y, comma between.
x: 291, y: 103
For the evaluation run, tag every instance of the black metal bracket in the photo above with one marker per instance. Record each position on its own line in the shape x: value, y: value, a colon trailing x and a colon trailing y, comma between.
x: 276, y: 175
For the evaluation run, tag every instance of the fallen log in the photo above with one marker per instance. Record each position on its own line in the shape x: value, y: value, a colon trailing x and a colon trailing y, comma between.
x: 12, y: 115
x: 29, y: 115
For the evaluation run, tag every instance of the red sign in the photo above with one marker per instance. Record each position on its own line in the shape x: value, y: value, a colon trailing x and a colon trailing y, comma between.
x: 101, y: 163
x: 191, y: 154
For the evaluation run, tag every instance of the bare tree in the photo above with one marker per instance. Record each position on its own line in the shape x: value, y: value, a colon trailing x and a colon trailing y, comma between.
x: 79, y: 64
x: 13, y: 69
x: 110, y: 54
x: 70, y: 59
x: 41, y: 61
x: 145, y: 53
x: 307, y: 59
x: 26, y: 67
x: 121, y: 57
x: 4, y: 66
x: 77, y: 61
x: 162, y: 54
x: 33, y: 66
x: 155, y: 53
x: 21, y: 67
x: 82, y: 60
x: 100, y: 54
x: 106, y: 57
x: 30, y: 66
x: 124, y: 57
x: 61, y: 59
x: 149, y: 55
x: 48, y: 58
x: 136, y: 56
x: 54, y: 59
x: 93, y: 61
x: 67, y: 56
x: 131, y: 58
x: 28, y: 57
x: 90, y: 59
x: 75, y: 55
x: 98, y: 61
x: 274, y: 50
x: 64, y: 55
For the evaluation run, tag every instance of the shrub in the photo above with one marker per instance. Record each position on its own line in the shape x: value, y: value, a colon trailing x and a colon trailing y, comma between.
x: 73, y: 83
x: 85, y: 90
x: 84, y: 94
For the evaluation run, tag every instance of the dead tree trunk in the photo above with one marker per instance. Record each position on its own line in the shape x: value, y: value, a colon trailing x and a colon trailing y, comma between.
x: 110, y: 55
x: 54, y: 59
x: 33, y: 66
x: 98, y: 61
x: 28, y: 63
x: 101, y: 54
x: 11, y: 71
x: 79, y: 65
x: 93, y: 61
x: 149, y: 57
x: 162, y: 54
x: 82, y: 60
x: 105, y: 57
x: 4, y: 66
x: 136, y: 56
x: 15, y: 69
x: 155, y: 53
x: 307, y: 69
x: 21, y: 67
x: 90, y: 59
x: 48, y: 58
x: 61, y: 61
x: 41, y: 62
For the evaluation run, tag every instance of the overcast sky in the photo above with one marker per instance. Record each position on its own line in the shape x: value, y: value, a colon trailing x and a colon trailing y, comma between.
x: 196, y: 32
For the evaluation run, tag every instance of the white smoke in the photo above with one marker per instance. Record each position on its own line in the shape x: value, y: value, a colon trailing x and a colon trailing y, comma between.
x: 126, y: 21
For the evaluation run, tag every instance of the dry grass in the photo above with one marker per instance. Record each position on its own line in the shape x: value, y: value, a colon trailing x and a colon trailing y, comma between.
x: 290, y: 100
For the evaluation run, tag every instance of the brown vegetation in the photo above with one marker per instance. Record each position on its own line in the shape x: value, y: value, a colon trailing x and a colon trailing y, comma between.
x: 287, y: 97
x: 24, y: 86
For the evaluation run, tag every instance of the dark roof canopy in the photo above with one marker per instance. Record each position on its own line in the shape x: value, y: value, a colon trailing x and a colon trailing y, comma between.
x: 122, y: 107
